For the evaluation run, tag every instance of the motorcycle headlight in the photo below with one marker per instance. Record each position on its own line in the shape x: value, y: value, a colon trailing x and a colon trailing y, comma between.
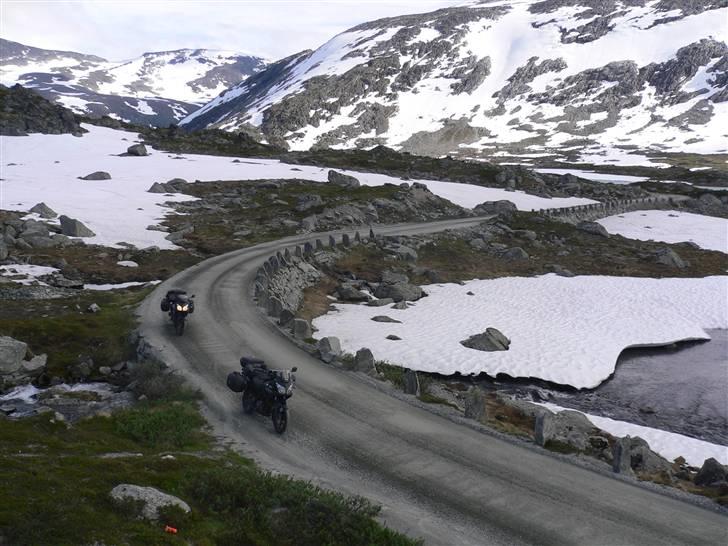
x: 181, y: 307
x: 281, y: 388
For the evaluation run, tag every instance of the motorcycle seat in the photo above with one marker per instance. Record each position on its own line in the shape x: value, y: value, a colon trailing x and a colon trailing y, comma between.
x: 251, y: 361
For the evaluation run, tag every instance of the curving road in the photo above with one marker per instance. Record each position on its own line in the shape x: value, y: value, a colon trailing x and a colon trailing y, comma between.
x: 434, y: 477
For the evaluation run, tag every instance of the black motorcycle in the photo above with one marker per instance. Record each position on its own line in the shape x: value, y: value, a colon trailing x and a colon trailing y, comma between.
x: 264, y: 390
x: 178, y: 304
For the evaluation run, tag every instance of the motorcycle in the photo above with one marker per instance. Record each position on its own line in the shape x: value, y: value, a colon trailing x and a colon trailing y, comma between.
x: 265, y: 391
x: 178, y: 304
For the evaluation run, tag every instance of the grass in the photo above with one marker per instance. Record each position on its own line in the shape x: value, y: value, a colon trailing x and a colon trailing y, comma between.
x: 56, y: 484
x: 68, y: 334
x: 392, y: 373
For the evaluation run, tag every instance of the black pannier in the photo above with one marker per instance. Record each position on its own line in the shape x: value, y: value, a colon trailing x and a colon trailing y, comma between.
x: 236, y: 382
x: 165, y: 305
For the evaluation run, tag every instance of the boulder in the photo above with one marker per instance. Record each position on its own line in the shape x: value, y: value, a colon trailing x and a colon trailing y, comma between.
x: 159, y: 188
x: 308, y: 201
x: 329, y: 348
x: 302, y: 329
x: 670, y: 258
x: 475, y: 404
x: 593, y: 227
x: 364, y: 360
x: 397, y: 287
x: 43, y: 210
x: 286, y: 317
x: 490, y: 340
x: 98, y: 175
x: 347, y: 292
x: 152, y: 499
x: 569, y: 428
x: 35, y: 366
x: 343, y: 180
x: 12, y: 353
x: 411, y: 382
x: 380, y: 303
x: 503, y: 206
x: 406, y: 253
x: 635, y: 453
x: 711, y: 471
x: 274, y: 307
x: 514, y: 254
x: 3, y: 250
x: 137, y: 150
x: 384, y: 318
x: 74, y: 228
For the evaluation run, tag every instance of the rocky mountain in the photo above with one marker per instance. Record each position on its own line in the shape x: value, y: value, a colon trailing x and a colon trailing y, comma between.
x: 155, y: 89
x: 493, y: 78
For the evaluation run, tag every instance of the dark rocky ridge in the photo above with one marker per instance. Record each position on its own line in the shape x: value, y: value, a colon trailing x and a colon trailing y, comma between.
x: 23, y: 111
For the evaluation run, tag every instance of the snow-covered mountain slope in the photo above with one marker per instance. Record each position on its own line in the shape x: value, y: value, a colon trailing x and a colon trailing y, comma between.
x: 502, y: 77
x: 156, y: 88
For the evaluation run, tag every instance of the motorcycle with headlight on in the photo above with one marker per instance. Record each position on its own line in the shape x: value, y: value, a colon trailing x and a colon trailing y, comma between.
x: 265, y: 391
x: 178, y: 304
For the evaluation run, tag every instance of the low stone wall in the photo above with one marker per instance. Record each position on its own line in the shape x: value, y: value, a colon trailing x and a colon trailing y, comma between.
x: 280, y: 283
x: 596, y: 211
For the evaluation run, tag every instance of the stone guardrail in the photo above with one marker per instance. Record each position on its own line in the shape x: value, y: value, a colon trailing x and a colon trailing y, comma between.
x: 597, y: 211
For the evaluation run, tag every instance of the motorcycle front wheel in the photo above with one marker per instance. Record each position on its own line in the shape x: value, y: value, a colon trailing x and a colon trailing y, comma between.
x: 248, y: 401
x: 280, y: 418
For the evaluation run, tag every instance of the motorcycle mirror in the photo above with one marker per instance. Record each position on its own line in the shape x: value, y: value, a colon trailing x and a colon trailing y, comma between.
x: 192, y: 296
x: 294, y: 369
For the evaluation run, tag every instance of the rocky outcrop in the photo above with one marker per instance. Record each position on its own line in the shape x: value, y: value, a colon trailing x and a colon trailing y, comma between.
x: 364, y: 361
x: 343, y: 180
x: 43, y: 210
x: 490, y: 340
x: 152, y: 499
x: 633, y: 455
x: 138, y: 150
x: 329, y: 348
x: 593, y: 227
x: 74, y: 228
x: 15, y: 369
x: 97, y: 175
x: 711, y: 473
x: 397, y: 287
x: 23, y: 111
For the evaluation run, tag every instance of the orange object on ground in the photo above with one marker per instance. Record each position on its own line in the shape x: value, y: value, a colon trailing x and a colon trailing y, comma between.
x: 168, y: 529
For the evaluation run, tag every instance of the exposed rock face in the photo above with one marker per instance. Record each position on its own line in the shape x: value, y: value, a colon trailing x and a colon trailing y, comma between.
x: 490, y: 340
x: 475, y: 404
x: 14, y: 368
x: 633, y: 454
x: 288, y: 284
x: 302, y: 329
x: 411, y: 382
x: 379, y: 71
x: 98, y: 175
x: 570, y: 428
x: 153, y: 499
x: 74, y: 228
x: 22, y: 111
x: 12, y: 353
x: 397, y: 287
x: 594, y: 228
x: 495, y: 207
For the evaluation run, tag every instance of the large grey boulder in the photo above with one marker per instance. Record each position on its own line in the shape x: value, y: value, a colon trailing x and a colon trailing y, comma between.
x: 329, y: 348
x: 515, y: 254
x: 490, y: 340
x: 711, y: 472
x: 302, y: 329
x: 503, y: 207
x: 347, y: 292
x: 98, y: 175
x: 343, y: 180
x: 364, y: 360
x: 152, y: 499
x: 74, y: 228
x: 33, y: 228
x: 593, y: 227
x: 569, y: 428
x: 43, y: 210
x: 397, y: 287
x: 633, y: 454
x: 475, y: 404
x: 308, y: 201
x: 670, y: 258
x: 411, y: 382
x: 158, y: 187
x: 12, y: 353
x: 137, y: 150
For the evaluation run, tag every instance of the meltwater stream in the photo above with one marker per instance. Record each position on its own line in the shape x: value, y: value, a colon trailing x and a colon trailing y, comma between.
x: 682, y: 388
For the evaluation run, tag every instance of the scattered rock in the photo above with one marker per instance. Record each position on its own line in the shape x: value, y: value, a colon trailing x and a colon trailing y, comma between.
x: 392, y: 337
x: 411, y: 382
x: 364, y: 360
x: 12, y: 353
x: 711, y: 471
x: 74, y: 228
x: 503, y: 206
x: 160, y: 188
x: 490, y: 340
x: 569, y: 428
x: 515, y: 254
x: 593, y: 227
x: 93, y: 308
x: 384, y: 318
x: 153, y: 499
x: 380, y: 302
x: 44, y: 211
x: 670, y: 258
x: 636, y: 453
x: 137, y: 150
x: 329, y: 348
x: 302, y: 329
x: 343, y: 180
x: 475, y: 404
x: 347, y: 292
x: 98, y: 175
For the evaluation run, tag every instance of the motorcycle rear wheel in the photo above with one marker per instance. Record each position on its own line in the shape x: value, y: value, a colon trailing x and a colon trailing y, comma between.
x: 179, y: 326
x: 280, y: 418
x: 248, y: 401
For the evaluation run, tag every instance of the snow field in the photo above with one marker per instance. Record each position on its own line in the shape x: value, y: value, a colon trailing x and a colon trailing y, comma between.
x: 568, y: 331
x: 670, y: 226
x: 46, y: 168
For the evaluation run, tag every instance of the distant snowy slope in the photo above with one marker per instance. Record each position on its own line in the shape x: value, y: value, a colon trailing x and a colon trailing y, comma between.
x: 157, y: 88
x: 516, y: 76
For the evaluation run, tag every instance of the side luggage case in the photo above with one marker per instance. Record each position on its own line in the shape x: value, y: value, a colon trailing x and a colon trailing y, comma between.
x: 165, y: 305
x: 236, y: 381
